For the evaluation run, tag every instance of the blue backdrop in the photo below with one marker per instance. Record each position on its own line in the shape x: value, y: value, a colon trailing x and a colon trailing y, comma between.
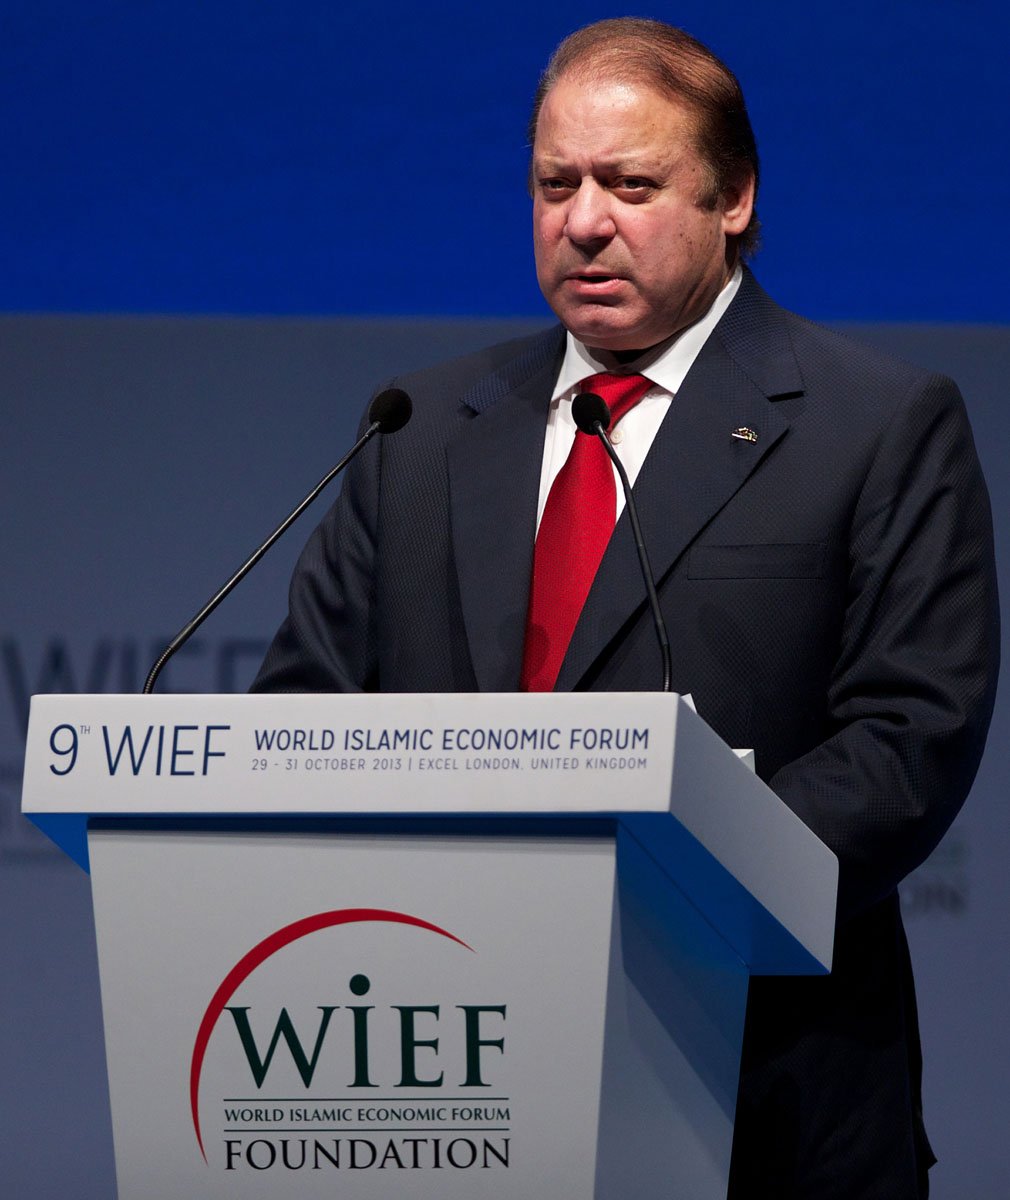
x: 343, y: 157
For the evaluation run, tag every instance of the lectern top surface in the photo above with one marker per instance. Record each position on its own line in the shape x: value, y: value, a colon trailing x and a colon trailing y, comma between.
x: 642, y: 757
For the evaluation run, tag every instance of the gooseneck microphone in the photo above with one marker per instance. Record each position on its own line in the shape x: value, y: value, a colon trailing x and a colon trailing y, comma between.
x: 388, y: 412
x: 592, y: 415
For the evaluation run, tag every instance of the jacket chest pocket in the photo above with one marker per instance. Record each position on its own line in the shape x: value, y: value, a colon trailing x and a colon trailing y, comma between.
x: 772, y: 560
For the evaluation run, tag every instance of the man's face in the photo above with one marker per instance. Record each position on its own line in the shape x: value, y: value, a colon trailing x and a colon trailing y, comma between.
x: 626, y: 253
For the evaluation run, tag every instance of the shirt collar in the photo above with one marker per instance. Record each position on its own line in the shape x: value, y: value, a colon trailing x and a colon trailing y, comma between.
x: 670, y: 366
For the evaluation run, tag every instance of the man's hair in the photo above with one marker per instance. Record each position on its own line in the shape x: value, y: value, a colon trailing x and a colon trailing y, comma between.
x: 636, y: 50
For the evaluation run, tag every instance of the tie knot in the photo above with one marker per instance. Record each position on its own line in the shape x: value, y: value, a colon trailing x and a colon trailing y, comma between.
x: 621, y: 392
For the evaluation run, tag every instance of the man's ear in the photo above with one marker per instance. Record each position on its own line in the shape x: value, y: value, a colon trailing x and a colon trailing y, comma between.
x: 737, y: 203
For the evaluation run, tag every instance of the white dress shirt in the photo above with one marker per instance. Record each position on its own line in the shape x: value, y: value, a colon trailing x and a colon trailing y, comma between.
x: 633, y: 438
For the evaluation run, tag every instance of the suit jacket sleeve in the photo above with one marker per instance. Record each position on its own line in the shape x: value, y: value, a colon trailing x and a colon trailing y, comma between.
x: 914, y: 680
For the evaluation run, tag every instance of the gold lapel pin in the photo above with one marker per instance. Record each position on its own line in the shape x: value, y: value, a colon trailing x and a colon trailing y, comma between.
x: 744, y: 434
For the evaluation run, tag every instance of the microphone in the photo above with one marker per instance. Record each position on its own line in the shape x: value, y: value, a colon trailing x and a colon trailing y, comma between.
x: 590, y: 410
x: 592, y: 415
x: 388, y: 412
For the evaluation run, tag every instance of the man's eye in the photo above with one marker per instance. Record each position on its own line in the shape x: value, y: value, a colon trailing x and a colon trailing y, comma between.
x: 634, y: 183
x: 555, y: 185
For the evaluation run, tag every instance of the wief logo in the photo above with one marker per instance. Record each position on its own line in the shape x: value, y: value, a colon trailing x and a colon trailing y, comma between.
x: 423, y: 1052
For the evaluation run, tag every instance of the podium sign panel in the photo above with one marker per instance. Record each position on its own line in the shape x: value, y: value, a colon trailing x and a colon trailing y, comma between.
x: 416, y: 1008
x: 517, y: 969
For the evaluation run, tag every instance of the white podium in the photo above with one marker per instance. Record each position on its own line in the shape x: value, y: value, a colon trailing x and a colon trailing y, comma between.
x: 426, y: 946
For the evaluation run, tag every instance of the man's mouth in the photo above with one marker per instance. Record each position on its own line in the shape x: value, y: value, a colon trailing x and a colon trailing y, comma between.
x: 594, y: 285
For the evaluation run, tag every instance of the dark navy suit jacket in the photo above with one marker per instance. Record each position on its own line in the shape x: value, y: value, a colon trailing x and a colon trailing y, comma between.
x: 830, y: 595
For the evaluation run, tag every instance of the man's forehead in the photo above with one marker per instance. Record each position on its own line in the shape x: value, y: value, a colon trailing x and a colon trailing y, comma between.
x: 621, y: 125
x: 593, y: 103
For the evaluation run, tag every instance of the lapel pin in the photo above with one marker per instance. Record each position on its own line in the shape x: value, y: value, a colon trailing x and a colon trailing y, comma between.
x: 744, y: 434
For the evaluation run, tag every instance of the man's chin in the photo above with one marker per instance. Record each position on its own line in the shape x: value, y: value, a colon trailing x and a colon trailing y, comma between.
x: 597, y: 325
x: 610, y: 335
x: 608, y: 323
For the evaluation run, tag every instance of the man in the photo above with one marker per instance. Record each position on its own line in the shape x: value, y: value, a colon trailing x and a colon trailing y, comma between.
x: 817, y: 524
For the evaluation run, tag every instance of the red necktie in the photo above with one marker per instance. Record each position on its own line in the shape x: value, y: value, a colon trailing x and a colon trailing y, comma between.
x: 576, y: 525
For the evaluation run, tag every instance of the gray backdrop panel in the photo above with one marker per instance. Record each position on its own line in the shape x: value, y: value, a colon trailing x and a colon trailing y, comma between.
x: 144, y: 458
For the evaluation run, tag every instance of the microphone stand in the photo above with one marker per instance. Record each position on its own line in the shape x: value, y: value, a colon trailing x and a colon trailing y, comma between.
x: 389, y: 411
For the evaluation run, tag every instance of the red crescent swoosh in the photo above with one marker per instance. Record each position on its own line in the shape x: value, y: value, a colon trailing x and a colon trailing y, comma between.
x: 259, y: 954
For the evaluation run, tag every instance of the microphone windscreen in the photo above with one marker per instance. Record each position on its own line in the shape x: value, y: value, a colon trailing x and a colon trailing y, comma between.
x: 390, y: 410
x: 588, y: 409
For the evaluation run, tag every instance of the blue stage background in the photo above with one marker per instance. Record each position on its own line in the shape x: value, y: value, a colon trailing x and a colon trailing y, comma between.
x: 222, y: 223
x: 326, y: 157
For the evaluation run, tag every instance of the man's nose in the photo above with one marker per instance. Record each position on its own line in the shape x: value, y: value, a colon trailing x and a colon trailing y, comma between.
x: 589, y: 217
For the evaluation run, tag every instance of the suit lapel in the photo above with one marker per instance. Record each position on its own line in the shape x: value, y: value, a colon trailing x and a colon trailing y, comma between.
x: 695, y: 465
x: 494, y: 482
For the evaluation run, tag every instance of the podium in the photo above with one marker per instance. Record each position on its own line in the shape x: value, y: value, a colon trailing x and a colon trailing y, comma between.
x: 428, y: 946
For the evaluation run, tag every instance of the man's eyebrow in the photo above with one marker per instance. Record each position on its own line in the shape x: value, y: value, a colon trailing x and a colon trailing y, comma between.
x: 617, y: 166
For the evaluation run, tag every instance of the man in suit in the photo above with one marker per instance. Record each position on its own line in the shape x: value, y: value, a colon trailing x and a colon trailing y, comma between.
x: 819, y: 530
